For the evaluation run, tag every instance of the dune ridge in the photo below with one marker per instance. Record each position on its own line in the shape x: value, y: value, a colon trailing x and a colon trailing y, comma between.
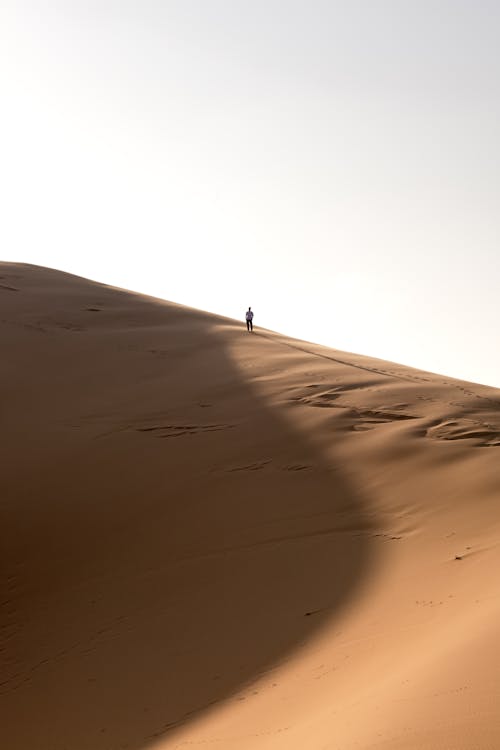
x: 237, y: 540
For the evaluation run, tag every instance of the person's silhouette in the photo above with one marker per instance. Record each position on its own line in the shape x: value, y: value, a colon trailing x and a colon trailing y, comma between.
x: 249, y: 319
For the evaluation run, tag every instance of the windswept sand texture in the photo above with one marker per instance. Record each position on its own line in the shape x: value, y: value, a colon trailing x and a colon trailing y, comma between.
x: 220, y: 540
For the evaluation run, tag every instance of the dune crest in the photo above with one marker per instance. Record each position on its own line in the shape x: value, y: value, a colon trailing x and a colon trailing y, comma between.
x: 241, y: 540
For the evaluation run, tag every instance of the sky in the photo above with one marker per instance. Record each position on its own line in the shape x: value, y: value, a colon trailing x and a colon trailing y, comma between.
x: 333, y: 164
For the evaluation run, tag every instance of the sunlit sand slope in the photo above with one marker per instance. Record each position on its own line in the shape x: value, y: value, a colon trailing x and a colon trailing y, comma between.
x: 219, y: 539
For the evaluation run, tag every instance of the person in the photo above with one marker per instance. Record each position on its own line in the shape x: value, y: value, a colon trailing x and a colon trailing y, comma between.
x: 249, y: 319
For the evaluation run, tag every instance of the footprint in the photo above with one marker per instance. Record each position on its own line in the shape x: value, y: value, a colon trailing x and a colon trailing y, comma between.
x: 176, y: 430
x: 463, y: 429
x: 257, y: 466
x: 367, y: 419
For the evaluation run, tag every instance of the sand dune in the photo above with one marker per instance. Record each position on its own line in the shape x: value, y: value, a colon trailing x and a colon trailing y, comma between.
x: 217, y: 539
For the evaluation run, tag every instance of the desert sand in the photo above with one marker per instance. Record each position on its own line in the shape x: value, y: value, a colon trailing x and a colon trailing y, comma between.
x: 226, y: 540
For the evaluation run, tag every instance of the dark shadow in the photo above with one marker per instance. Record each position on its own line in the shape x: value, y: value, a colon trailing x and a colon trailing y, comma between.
x: 169, y: 536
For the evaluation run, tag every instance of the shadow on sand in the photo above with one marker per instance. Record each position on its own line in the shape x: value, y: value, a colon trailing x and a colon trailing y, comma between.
x: 170, y: 538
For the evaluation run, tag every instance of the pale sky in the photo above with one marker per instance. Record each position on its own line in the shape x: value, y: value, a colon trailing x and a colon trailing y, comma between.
x: 334, y: 164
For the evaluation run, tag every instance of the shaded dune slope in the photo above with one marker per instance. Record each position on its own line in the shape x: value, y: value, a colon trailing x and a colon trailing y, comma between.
x: 166, y: 532
x: 216, y: 537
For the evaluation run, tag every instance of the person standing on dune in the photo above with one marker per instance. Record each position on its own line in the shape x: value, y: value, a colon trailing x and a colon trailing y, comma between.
x: 249, y: 319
